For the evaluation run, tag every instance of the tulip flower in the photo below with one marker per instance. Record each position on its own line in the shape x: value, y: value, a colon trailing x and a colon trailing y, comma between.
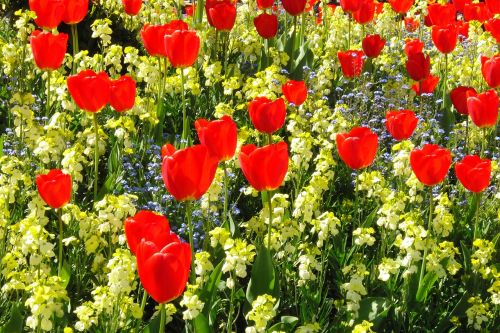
x: 153, y: 36
x: 264, y: 4
x: 122, y: 93
x: 358, y: 147
x: 157, y: 266
x: 411, y: 24
x: 49, y: 13
x: 373, y: 45
x: 442, y: 14
x: 401, y: 6
x: 89, y: 90
x: 350, y: 6
x: 493, y: 6
x: 149, y: 226
x: 294, y: 7
x: 132, y: 7
x: 459, y: 97
x: 266, y: 25
x: 295, y: 92
x: 54, y: 188
x: 182, y: 47
x: 265, y: 168
x: 267, y: 116
x: 426, y: 86
x: 414, y: 46
x: 430, y: 164
x: 75, y: 11
x: 222, y: 15
x: 48, y: 49
x: 490, y: 67
x: 445, y: 37
x: 190, y: 10
x: 365, y: 13
x: 188, y: 173
x: 219, y: 136
x: 493, y: 27
x: 460, y: 4
x: 418, y: 66
x: 476, y: 12
x: 483, y: 108
x: 401, y: 124
x: 474, y: 173
x: 351, y: 63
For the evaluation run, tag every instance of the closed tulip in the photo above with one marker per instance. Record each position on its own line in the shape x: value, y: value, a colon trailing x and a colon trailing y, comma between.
x: 294, y: 7
x: 219, y: 136
x: 265, y: 168
x: 266, y: 25
x: 459, y: 97
x: 149, y: 226
x: 351, y: 63
x: 222, y: 15
x: 373, y: 45
x: 267, y: 116
x: 264, y: 4
x: 426, y: 86
x: 418, y: 66
x: 153, y: 36
x: 476, y: 12
x: 493, y: 27
x: 493, y: 6
x: 54, y: 188
x: 48, y: 49
x: 483, y: 108
x: 442, y: 14
x: 75, y: 11
x: 411, y: 24
x: 49, y: 13
x: 122, y: 93
x: 182, y: 47
x: 474, y: 173
x: 132, y: 7
x: 89, y: 90
x: 460, y: 4
x: 188, y: 173
x: 430, y: 164
x: 414, y: 46
x: 365, y: 13
x: 401, y: 6
x: 295, y: 92
x: 163, y: 272
x: 350, y: 6
x: 445, y: 37
x: 490, y: 67
x: 401, y: 124
x: 358, y: 147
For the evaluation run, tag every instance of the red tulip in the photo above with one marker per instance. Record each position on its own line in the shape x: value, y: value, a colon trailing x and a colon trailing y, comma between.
x: 188, y: 173
x: 132, y: 7
x: 474, y: 173
x: 426, y: 86
x: 351, y: 62
x: 463, y: 30
x: 295, y: 92
x: 75, y: 11
x: 54, y: 188
x: 460, y: 4
x: 445, y: 37
x: 483, y: 108
x: 373, y: 45
x: 149, y: 226
x: 48, y: 49
x: 182, y: 48
x: 89, y: 90
x: 350, y: 6
x: 265, y: 168
x: 264, y: 4
x: 401, y: 124
x: 493, y: 6
x: 413, y: 46
x: 219, y: 136
x: 294, y: 7
x: 493, y: 27
x: 411, y: 24
x: 490, y: 67
x: 418, y: 66
x: 358, y: 147
x: 365, y: 13
x: 49, y: 13
x: 267, y: 116
x: 153, y: 36
x: 163, y: 272
x: 190, y: 10
x: 442, y: 14
x: 430, y: 164
x: 476, y: 12
x: 401, y: 6
x: 122, y: 93
x: 459, y: 97
x: 222, y: 15
x: 266, y: 25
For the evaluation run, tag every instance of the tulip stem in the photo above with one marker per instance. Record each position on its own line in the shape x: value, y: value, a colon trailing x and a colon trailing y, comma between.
x: 467, y: 135
x: 269, y: 138
x: 484, y: 142
x: 229, y: 325
x: 192, y: 276
x: 445, y: 81
x: 294, y: 36
x: 226, y: 195
x: 270, y: 207
x: 74, y: 41
x: 184, y: 114
x: 60, y: 256
x: 429, y: 235
x: 476, y: 216
x: 163, y: 318
x: 47, y: 107
x: 349, y: 32
x: 96, y: 155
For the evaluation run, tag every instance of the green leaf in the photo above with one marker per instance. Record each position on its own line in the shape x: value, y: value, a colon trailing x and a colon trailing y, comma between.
x: 153, y: 326
x: 16, y: 322
x: 263, y: 279
x: 427, y: 282
x: 65, y: 274
x: 233, y: 227
x: 1, y: 146
x: 287, y: 324
x: 466, y: 254
x: 210, y: 288
x: 458, y: 311
x: 200, y: 324
x: 373, y: 309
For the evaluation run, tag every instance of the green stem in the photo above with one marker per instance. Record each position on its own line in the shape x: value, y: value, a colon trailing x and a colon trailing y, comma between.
x: 159, y: 105
x: 185, y: 125
x: 229, y: 326
x: 61, y: 231
x: 445, y: 78
x: 226, y: 194
x: 476, y: 216
x: 270, y: 206
x: 484, y: 143
x: 294, y: 36
x: 349, y: 33
x: 163, y: 318
x: 429, y: 235
x: 269, y: 138
x: 74, y: 41
x: 192, y: 277
x: 96, y: 155
x: 467, y: 135
x: 47, y: 107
